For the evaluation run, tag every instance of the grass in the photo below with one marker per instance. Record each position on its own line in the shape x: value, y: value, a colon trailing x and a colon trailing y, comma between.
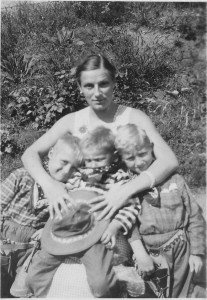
x: 158, y: 49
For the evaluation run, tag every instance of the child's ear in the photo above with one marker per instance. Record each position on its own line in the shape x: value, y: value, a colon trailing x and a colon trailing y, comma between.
x: 50, y: 153
x: 152, y: 145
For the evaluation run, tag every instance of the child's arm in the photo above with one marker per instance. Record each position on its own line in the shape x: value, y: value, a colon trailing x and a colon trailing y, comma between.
x: 109, y: 236
x: 195, y: 228
x: 127, y: 216
x: 8, y: 191
x: 143, y: 259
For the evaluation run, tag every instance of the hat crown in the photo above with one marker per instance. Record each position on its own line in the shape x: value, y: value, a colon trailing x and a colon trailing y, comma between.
x: 74, y: 222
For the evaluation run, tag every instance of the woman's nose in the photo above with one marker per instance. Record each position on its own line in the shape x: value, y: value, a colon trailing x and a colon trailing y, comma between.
x: 97, y: 91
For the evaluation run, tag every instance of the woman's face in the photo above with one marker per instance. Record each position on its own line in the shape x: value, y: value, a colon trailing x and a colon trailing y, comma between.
x: 97, y: 87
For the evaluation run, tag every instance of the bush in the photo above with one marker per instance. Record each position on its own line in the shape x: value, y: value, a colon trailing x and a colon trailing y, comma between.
x: 44, y: 106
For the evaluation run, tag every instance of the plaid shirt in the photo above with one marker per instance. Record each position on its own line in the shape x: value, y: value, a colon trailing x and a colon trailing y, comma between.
x: 17, y: 201
x: 174, y: 209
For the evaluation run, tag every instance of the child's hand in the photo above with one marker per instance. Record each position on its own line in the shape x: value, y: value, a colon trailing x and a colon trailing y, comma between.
x: 109, y: 236
x: 195, y: 263
x: 145, y: 264
x: 37, y: 235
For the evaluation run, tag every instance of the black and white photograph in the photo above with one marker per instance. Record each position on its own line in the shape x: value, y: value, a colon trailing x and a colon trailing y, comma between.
x: 103, y: 149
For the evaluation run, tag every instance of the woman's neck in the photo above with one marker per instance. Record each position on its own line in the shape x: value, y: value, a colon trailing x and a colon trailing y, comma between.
x: 106, y: 115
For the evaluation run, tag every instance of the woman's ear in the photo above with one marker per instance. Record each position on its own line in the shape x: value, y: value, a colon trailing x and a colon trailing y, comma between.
x: 80, y: 89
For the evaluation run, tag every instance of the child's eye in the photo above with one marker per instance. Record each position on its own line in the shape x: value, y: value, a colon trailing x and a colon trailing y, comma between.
x: 142, y: 154
x: 130, y: 158
x: 99, y: 159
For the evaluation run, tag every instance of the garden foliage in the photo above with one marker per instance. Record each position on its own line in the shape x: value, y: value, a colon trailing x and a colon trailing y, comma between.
x: 154, y: 46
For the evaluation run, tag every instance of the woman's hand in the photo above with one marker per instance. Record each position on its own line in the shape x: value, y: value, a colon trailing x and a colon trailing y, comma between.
x: 56, y: 194
x: 110, y: 234
x: 195, y: 263
x: 111, y: 201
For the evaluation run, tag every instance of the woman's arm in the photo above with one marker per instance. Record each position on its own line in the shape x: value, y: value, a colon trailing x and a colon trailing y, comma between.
x: 54, y: 190
x: 165, y: 164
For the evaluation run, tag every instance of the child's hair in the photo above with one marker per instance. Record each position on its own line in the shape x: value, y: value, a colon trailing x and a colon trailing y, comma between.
x: 73, y: 142
x: 94, y: 62
x: 130, y: 137
x: 101, y: 138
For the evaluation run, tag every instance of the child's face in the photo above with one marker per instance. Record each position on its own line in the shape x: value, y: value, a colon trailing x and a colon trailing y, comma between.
x: 62, y: 161
x: 94, y: 158
x: 138, y: 160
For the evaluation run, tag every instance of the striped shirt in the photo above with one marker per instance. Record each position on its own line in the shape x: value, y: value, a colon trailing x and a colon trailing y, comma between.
x: 102, y: 179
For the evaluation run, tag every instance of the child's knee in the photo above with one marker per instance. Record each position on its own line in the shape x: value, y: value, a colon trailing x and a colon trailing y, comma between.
x: 104, y: 287
x: 100, y: 289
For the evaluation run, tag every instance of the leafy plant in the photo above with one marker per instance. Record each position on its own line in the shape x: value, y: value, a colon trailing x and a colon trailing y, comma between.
x: 8, y: 143
x: 44, y: 106
x: 16, y: 69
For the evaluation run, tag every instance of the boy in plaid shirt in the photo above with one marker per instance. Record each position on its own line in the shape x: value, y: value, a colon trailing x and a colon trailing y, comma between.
x: 169, y: 220
x: 24, y: 209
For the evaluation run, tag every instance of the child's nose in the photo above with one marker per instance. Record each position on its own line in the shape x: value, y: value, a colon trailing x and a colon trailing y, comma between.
x: 67, y: 169
x: 93, y: 164
x: 138, y: 162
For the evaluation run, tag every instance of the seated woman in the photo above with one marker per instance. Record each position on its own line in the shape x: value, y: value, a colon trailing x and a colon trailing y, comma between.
x: 96, y: 80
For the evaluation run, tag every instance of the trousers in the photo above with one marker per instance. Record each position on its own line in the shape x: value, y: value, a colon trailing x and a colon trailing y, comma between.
x: 176, y: 254
x: 98, y: 264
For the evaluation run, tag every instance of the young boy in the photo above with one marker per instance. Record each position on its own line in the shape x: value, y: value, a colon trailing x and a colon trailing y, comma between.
x: 24, y: 210
x: 102, y: 170
x: 169, y: 221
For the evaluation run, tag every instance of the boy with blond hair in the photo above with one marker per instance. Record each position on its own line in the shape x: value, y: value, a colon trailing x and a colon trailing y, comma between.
x: 24, y: 209
x: 169, y: 220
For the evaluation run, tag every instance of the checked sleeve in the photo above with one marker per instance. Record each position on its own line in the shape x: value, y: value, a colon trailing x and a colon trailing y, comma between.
x: 8, y: 192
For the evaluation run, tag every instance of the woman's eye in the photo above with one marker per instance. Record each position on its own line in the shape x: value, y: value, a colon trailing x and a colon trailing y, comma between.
x: 103, y: 84
x: 89, y: 86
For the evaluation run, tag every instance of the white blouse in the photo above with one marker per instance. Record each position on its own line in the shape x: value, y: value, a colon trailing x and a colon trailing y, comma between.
x: 82, y: 123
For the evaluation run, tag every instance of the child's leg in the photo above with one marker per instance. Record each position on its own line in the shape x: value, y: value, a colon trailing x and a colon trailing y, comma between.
x: 16, y: 233
x: 41, y: 272
x: 178, y: 259
x: 100, y: 273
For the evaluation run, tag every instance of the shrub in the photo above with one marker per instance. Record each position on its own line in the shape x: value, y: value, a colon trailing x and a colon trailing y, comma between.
x: 44, y: 106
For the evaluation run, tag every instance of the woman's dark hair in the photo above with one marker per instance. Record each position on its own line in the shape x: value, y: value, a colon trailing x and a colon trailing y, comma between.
x: 94, y: 62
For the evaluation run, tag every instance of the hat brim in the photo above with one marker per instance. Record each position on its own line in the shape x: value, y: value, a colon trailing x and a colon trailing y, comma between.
x: 85, y: 241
